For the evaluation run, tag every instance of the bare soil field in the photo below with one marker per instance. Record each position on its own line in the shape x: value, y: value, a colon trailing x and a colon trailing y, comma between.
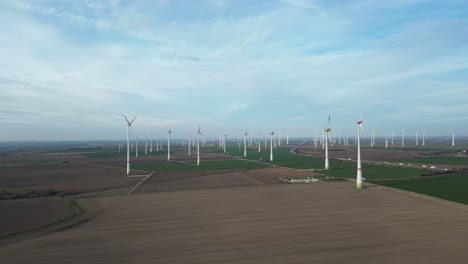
x: 196, y: 180
x: 371, y: 155
x: 74, y: 177
x: 23, y: 215
x: 174, y: 157
x: 314, y: 223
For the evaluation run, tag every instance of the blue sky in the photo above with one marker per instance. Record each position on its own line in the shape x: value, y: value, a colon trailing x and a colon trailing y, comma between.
x: 68, y: 68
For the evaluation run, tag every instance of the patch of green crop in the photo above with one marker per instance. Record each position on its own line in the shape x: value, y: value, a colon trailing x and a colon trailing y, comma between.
x: 450, y: 187
x: 447, y: 160
x: 347, y: 170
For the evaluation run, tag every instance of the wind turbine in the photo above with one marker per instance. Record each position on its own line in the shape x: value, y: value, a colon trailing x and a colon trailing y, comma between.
x: 169, y: 144
x: 198, y: 145
x: 287, y: 139
x: 327, y: 136
x: 224, y: 142
x: 189, y: 143
x: 271, y: 145
x: 151, y: 143
x: 453, y: 139
x: 129, y: 124
x: 259, y: 142
x: 386, y: 140
x: 146, y: 147
x: 245, y: 146
x: 423, y: 142
x: 359, y: 168
x: 402, y: 137
x: 136, y: 147
x: 417, y: 139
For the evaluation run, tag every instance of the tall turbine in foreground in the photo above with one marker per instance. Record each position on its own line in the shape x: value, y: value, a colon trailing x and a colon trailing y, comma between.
x: 198, y: 145
x: 271, y: 145
x: 359, y: 168
x: 245, y: 146
x: 129, y: 124
x: 169, y: 144
x: 326, y: 138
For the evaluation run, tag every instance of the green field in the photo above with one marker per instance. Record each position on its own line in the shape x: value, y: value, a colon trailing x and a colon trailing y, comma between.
x: 450, y: 187
x: 447, y: 160
x: 340, y: 169
x: 347, y: 170
x: 204, y: 165
x: 114, y: 154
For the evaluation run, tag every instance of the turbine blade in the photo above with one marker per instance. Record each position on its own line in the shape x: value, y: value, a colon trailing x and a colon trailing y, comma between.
x: 125, y: 118
x: 133, y: 119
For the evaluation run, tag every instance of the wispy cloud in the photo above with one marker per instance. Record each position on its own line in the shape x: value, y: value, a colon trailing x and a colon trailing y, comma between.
x: 230, y: 64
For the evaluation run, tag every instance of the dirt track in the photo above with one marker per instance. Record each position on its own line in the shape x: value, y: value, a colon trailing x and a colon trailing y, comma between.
x: 316, y: 223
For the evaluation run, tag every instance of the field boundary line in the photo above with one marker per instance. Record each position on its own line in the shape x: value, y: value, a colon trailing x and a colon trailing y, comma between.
x: 138, y: 184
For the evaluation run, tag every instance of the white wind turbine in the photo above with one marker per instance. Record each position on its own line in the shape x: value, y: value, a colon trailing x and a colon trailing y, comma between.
x: 453, y: 139
x: 259, y: 142
x: 198, y: 145
x: 224, y: 142
x: 359, y: 168
x: 189, y: 143
x: 136, y: 147
x: 271, y: 145
x: 402, y: 137
x: 326, y: 138
x: 169, y: 144
x: 245, y: 146
x: 129, y: 124
x: 423, y: 140
x: 151, y: 143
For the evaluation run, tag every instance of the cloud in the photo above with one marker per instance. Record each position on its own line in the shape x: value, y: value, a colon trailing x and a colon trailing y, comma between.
x: 228, y: 64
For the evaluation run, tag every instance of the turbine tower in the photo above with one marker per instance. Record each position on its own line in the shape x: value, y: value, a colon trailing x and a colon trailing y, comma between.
x: 327, y: 137
x: 189, y: 143
x: 402, y: 137
x: 151, y: 143
x: 453, y: 139
x: 245, y: 146
x: 129, y: 124
x: 198, y: 145
x: 423, y: 142
x: 136, y: 147
x: 271, y: 145
x: 169, y: 144
x: 359, y: 168
x: 259, y: 142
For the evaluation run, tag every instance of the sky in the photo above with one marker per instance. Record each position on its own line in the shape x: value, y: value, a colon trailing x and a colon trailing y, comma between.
x: 68, y: 69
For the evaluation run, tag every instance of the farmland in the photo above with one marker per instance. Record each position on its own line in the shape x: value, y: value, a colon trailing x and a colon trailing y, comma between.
x: 231, y: 199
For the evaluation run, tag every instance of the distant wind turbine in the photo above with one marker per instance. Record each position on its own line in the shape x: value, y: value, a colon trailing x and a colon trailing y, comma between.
x: 359, y: 168
x: 129, y: 124
x: 169, y: 144
x: 198, y: 145
x: 245, y: 146
x: 271, y: 145
x: 327, y: 137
